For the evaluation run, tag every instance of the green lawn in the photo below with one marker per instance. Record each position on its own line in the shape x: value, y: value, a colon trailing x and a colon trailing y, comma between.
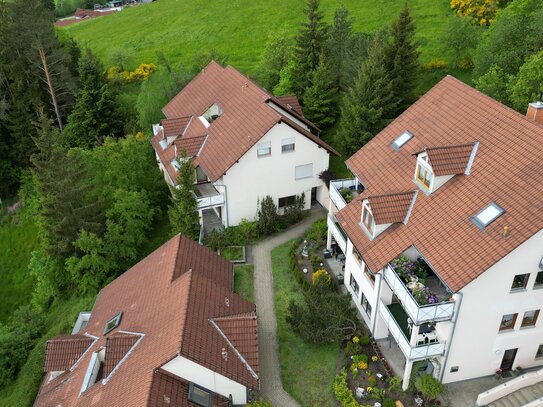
x: 307, y: 370
x: 17, y: 240
x: 239, y: 28
x: 244, y: 281
x: 59, y: 320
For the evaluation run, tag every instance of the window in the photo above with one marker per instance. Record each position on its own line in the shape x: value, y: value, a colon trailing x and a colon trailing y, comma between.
x: 401, y: 140
x: 354, y: 285
x: 367, y: 219
x: 357, y: 256
x: 303, y: 171
x: 113, y: 323
x: 539, y: 279
x: 287, y: 201
x: 163, y: 143
x: 530, y: 318
x: 424, y: 176
x: 263, y: 149
x: 520, y: 281
x: 539, y: 353
x: 365, y: 304
x: 212, y: 113
x: 454, y: 369
x: 369, y: 274
x: 95, y: 371
x: 488, y: 215
x: 200, y: 396
x: 175, y: 164
x: 508, y: 322
x: 288, y: 144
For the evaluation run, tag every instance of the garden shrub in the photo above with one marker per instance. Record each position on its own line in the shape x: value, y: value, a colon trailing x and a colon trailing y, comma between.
x: 267, y: 216
x: 395, y: 384
x: 316, y: 262
x: 326, y: 176
x: 317, y: 232
x: 365, y: 340
x: 321, y: 277
x: 465, y: 63
x: 482, y: 12
x: 295, y: 213
x: 372, y: 380
x: 342, y: 392
x: 429, y: 386
x: 347, y: 194
x: 362, y: 358
x: 435, y: 64
x: 388, y: 403
x: 352, y: 348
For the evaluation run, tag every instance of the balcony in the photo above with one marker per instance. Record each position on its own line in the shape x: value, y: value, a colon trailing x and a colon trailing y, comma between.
x: 337, y: 232
x: 207, y: 196
x: 401, y: 333
x: 419, y: 314
x: 352, y: 188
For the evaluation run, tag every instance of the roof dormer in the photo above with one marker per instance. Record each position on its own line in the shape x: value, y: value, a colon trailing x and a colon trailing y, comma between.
x: 211, y: 114
x: 437, y: 165
x: 381, y: 211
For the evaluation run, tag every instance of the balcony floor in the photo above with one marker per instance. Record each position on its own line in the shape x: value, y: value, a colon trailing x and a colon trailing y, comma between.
x: 205, y: 189
x: 400, y: 316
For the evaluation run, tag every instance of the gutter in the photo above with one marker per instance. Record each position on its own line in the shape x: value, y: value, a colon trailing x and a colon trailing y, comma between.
x: 457, y: 312
x: 376, y: 305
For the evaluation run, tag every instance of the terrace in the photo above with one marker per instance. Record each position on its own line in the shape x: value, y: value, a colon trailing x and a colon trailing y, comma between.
x: 207, y: 195
x: 343, y: 191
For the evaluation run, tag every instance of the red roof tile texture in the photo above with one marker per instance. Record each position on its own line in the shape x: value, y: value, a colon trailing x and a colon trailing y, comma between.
x: 246, y: 116
x: 506, y: 169
x: 117, y: 346
x: 449, y: 160
x: 62, y: 352
x: 173, y: 317
x: 391, y: 208
x: 291, y: 102
x: 174, y: 127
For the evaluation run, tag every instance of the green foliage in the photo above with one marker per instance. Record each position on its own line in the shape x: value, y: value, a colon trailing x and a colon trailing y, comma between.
x: 203, y: 57
x: 286, y: 85
x: 95, y: 115
x: 342, y: 391
x: 274, y: 59
x: 514, y: 36
x: 339, y: 49
x: 368, y: 105
x: 122, y: 58
x: 183, y: 212
x: 261, y: 403
x: 46, y: 272
x: 317, y: 232
x: 244, y: 281
x: 395, y: 384
x: 352, y: 349
x: 528, y: 85
x: 295, y: 213
x: 233, y: 253
x: 267, y: 219
x: 494, y: 84
x: 459, y: 39
x: 364, y: 340
x: 388, y: 403
x: 402, y: 60
x: 372, y: 380
x: 310, y: 43
x: 429, y: 386
x: 319, y: 99
x: 17, y: 338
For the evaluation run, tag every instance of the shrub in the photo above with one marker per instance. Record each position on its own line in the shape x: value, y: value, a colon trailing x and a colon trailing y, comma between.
x: 295, y: 213
x: 379, y: 393
x: 395, y: 384
x: 482, y: 12
x: 365, y: 340
x: 267, y: 216
x: 317, y: 232
x: 321, y: 277
x: 261, y: 403
x: 465, y: 63
x: 347, y: 194
x: 316, y: 262
x: 388, y: 403
x: 342, y: 392
x: 362, y: 358
x: 326, y: 176
x: 429, y: 386
x: 141, y: 73
x: 352, y: 348
x: 372, y: 380
x: 435, y: 64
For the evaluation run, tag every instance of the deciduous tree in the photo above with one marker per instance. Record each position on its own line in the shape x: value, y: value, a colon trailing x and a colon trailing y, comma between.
x: 275, y: 57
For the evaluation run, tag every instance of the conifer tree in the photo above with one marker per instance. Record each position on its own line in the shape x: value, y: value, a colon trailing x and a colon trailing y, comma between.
x: 402, y: 60
x: 310, y: 43
x: 319, y: 99
x: 339, y: 48
x: 95, y: 114
x: 183, y: 212
x: 368, y: 104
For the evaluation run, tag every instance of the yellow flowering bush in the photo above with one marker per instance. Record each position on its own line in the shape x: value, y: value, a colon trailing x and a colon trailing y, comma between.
x: 321, y: 276
x: 356, y: 339
x: 141, y: 73
x: 435, y: 64
x: 374, y: 358
x: 362, y: 365
x: 114, y: 73
x: 483, y: 12
x: 369, y: 389
x: 140, y: 136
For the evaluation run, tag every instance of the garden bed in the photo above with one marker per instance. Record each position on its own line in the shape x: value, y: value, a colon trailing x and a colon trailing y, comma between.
x: 236, y: 254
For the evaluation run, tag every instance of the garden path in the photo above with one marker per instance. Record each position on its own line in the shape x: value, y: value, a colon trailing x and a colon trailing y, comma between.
x: 270, y: 368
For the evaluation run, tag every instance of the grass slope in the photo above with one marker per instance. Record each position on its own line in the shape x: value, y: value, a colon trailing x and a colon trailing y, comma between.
x: 238, y: 28
x: 17, y: 240
x: 244, y: 282
x: 307, y: 370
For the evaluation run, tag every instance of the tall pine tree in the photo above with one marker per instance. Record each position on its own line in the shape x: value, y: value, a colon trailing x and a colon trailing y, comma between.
x: 319, y: 100
x: 402, y: 60
x: 183, y: 212
x: 310, y: 43
x: 95, y: 114
x: 339, y: 48
x: 368, y: 105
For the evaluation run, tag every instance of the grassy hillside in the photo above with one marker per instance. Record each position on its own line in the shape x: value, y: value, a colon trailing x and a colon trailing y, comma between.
x: 238, y: 28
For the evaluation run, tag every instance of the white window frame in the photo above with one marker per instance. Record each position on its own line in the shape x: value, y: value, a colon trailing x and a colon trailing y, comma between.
x: 367, y: 209
x: 422, y: 163
x: 286, y: 143
x: 483, y: 222
x: 306, y: 171
x: 116, y: 319
x: 263, y: 149
x: 401, y: 140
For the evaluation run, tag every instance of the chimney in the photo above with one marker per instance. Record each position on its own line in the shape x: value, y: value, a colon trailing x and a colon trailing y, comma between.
x: 535, y: 112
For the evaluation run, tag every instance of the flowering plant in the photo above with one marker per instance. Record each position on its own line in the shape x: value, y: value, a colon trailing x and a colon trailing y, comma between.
x: 374, y: 358
x: 369, y: 389
x: 356, y: 339
x: 424, y: 296
x: 408, y: 270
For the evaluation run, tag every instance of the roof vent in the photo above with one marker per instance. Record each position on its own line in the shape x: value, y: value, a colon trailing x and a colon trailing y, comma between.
x: 488, y: 215
x: 535, y: 112
x: 402, y: 139
x: 505, y: 231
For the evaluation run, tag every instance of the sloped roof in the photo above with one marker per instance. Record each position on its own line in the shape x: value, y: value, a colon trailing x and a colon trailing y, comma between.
x: 174, y: 127
x: 449, y: 160
x: 62, y: 352
x: 291, y: 103
x: 246, y: 116
x: 391, y: 208
x: 169, y: 316
x: 507, y: 169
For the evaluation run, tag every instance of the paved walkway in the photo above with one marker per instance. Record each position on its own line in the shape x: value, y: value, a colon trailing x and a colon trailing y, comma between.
x: 270, y: 368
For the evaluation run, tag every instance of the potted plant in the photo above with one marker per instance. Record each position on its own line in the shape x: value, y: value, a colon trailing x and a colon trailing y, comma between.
x: 498, y: 374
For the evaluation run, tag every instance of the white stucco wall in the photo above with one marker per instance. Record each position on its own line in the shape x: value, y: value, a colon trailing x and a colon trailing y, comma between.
x: 478, y: 346
x: 255, y: 177
x: 204, y: 377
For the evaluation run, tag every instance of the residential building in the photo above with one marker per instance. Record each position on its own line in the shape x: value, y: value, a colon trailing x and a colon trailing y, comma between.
x: 453, y: 187
x: 168, y: 332
x: 245, y: 144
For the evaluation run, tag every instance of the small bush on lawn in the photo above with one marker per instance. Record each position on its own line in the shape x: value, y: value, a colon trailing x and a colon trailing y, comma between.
x: 342, y: 392
x: 267, y: 216
x: 429, y: 386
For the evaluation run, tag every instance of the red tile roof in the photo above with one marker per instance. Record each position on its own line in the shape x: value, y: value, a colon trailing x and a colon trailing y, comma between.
x: 291, y: 103
x: 62, y: 352
x: 174, y: 127
x: 506, y: 169
x: 449, y: 160
x: 246, y: 116
x: 117, y: 346
x: 391, y: 208
x: 170, y: 316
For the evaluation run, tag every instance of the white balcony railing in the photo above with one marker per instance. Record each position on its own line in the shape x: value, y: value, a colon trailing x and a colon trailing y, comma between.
x: 339, y: 235
x: 410, y: 352
x: 418, y: 313
x: 207, y: 196
x: 338, y: 185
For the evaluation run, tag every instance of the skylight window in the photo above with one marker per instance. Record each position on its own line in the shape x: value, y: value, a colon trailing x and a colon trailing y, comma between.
x: 113, y: 323
x: 176, y: 165
x: 401, y: 140
x: 163, y: 144
x: 488, y: 215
